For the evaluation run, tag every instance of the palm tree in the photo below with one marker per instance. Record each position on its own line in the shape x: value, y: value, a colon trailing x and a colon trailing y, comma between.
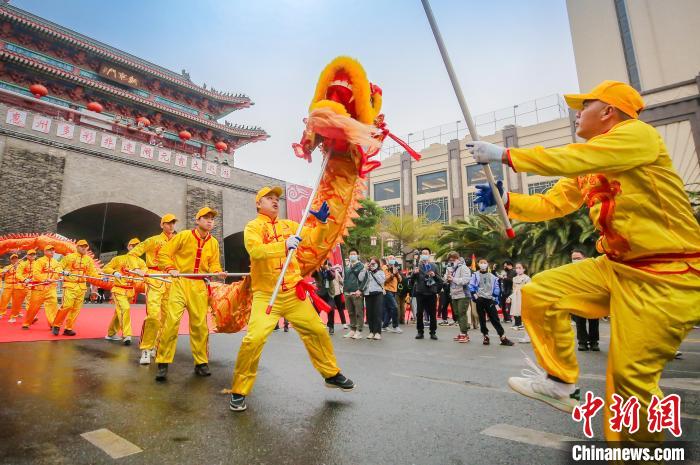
x: 477, y: 234
x: 410, y: 232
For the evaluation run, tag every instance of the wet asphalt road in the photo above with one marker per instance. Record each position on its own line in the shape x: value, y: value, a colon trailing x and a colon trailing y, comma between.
x: 416, y: 402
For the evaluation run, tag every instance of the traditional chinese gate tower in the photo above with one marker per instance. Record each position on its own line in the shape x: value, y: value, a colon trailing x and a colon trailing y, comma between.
x: 93, y: 136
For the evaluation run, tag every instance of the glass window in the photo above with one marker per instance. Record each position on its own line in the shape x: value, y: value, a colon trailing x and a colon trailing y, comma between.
x: 434, y: 210
x: 387, y: 190
x: 432, y: 182
x: 540, y: 187
x: 392, y: 209
x: 476, y: 175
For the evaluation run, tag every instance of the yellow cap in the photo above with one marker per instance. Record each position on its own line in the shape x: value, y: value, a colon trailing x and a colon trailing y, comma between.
x: 167, y: 218
x: 82, y: 242
x: 14, y: 255
x: 134, y: 241
x: 204, y: 211
x: 31, y: 252
x: 266, y: 190
x: 618, y: 94
x: 48, y: 247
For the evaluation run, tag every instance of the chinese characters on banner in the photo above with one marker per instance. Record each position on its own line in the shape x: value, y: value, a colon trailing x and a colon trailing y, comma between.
x: 211, y: 168
x: 180, y: 160
x: 226, y: 172
x: 16, y: 117
x: 147, y: 151
x: 41, y: 124
x: 108, y: 142
x: 65, y: 130
x: 128, y: 147
x: 662, y: 414
x: 164, y: 156
x: 196, y: 164
x: 88, y: 136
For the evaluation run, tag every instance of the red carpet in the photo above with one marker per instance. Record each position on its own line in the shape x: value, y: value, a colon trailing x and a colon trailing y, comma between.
x: 91, y: 324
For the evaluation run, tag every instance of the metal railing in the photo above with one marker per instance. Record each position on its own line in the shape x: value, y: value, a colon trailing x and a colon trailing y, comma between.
x: 529, y: 113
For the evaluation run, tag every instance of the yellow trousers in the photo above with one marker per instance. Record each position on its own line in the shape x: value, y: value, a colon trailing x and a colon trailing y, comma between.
x: 38, y: 297
x: 193, y: 295
x: 650, y: 314
x: 73, y: 298
x: 306, y: 322
x: 122, y: 315
x: 156, y: 309
x: 16, y: 296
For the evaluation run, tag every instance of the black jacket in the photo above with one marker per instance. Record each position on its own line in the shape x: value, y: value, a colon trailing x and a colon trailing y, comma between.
x: 420, y: 281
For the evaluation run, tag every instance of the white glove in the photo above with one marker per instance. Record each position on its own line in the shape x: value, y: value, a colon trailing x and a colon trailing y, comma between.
x: 485, y: 152
x: 293, y: 242
x: 117, y: 274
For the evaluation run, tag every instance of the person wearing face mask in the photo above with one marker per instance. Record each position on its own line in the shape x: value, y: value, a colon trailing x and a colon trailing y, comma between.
x: 587, y: 337
x: 374, y: 278
x: 484, y: 289
x: 506, y: 283
x: 353, y: 288
x: 390, y: 314
x: 427, y: 283
x: 457, y: 277
x: 515, y: 299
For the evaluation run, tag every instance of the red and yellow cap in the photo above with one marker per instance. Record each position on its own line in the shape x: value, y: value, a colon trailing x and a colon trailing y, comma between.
x: 167, y: 218
x: 134, y: 241
x: 31, y: 252
x: 82, y: 242
x: 277, y: 190
x: 205, y: 211
x: 618, y: 94
x: 14, y: 255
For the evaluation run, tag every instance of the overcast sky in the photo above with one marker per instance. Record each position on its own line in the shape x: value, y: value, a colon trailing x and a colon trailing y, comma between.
x: 504, y: 51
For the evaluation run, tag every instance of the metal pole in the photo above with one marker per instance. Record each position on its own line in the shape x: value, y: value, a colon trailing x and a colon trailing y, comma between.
x: 467, y: 116
x: 298, y: 233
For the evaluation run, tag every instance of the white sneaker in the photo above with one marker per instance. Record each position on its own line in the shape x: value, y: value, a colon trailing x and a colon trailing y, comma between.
x: 377, y: 337
x: 357, y: 335
x: 350, y: 334
x: 153, y: 352
x: 370, y: 336
x: 127, y: 341
x: 113, y: 337
x: 536, y: 385
x: 145, y: 357
x: 398, y: 330
x: 345, y: 326
x: 12, y: 320
x: 524, y: 340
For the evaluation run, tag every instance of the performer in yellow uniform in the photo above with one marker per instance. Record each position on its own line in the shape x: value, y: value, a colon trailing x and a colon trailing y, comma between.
x: 13, y: 289
x: 45, y: 272
x: 74, y: 287
x: 648, y: 279
x: 121, y: 267
x: 268, y: 240
x: 156, y: 291
x: 192, y: 251
x: 24, y: 271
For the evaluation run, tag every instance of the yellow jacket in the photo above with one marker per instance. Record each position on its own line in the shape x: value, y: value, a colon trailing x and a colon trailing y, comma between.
x: 150, y: 247
x: 46, y: 268
x: 188, y: 252
x: 122, y: 264
x: 265, y: 240
x: 9, y: 274
x: 625, y: 176
x: 78, y: 264
x: 24, y: 271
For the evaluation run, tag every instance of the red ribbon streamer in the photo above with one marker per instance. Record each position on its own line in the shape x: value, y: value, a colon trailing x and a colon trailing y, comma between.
x: 303, y: 287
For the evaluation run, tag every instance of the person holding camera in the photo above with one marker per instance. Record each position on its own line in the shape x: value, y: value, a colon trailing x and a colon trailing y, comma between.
x: 391, y: 309
x: 374, y: 278
x: 457, y: 278
x: 427, y: 284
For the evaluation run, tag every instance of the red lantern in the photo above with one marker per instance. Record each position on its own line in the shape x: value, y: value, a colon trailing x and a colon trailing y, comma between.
x: 184, y: 135
x: 221, y: 146
x: 38, y: 90
x: 95, y: 106
x: 143, y: 121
